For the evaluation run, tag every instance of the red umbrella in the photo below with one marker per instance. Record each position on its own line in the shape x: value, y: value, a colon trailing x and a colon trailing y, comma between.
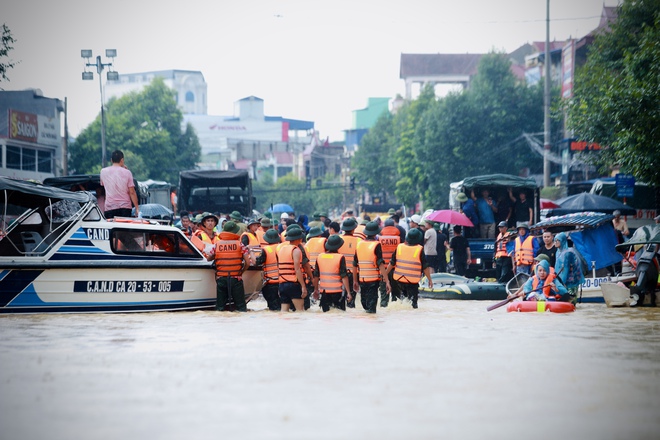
x: 450, y: 217
x: 548, y: 204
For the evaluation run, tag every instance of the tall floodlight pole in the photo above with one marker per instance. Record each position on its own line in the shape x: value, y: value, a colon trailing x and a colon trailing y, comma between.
x: 546, y: 102
x: 111, y: 76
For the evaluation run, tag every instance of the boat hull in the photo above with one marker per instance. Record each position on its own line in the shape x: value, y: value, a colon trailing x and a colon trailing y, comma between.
x: 119, y: 289
x: 485, y: 291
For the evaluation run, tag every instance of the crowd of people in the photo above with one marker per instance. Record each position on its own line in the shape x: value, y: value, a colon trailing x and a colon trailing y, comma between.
x: 300, y: 262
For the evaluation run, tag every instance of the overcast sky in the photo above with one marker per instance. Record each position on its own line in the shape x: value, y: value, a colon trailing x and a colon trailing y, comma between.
x: 311, y: 60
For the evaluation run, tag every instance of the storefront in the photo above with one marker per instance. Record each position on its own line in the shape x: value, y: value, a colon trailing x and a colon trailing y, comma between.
x: 30, y: 135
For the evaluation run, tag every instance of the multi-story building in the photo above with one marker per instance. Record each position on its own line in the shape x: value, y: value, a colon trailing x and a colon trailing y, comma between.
x: 189, y: 85
x: 30, y: 135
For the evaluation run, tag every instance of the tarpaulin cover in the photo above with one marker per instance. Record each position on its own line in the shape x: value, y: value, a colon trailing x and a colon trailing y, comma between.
x: 499, y: 180
x: 597, y: 244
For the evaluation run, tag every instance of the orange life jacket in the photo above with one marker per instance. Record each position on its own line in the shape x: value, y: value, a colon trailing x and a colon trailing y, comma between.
x: 408, y: 267
x: 328, y: 266
x: 359, y: 232
x: 253, y: 245
x: 524, y: 254
x: 546, y: 288
x: 314, y: 247
x: 348, y: 248
x: 260, y: 236
x: 204, y: 236
x: 389, y: 239
x: 500, y: 251
x: 366, y: 253
x: 228, y: 255
x: 285, y: 263
x: 271, y: 272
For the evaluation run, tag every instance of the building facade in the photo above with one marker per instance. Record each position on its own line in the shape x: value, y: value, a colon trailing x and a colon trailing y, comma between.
x: 30, y: 135
x: 189, y: 86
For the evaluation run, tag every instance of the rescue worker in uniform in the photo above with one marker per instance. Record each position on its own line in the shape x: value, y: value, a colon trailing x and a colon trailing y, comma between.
x: 307, y: 270
x: 348, y: 251
x: 315, y: 245
x: 265, y: 225
x: 231, y: 259
x: 237, y: 218
x: 525, y: 250
x: 270, y: 289
x: 502, y: 262
x: 316, y: 222
x: 409, y: 263
x: 331, y: 276
x: 292, y: 288
x: 389, y: 239
x: 369, y: 268
x: 206, y: 233
x: 249, y: 238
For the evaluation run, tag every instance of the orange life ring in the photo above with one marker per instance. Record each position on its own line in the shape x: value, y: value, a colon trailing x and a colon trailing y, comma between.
x: 540, y: 306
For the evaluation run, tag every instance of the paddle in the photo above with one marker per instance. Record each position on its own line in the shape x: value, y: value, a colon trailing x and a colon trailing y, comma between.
x: 508, y: 300
x: 503, y: 302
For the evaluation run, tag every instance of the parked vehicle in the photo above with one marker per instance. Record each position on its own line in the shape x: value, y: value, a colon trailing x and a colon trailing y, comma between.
x: 483, y: 250
x: 216, y: 191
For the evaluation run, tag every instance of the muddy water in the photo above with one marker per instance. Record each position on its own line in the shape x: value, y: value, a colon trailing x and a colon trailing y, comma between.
x: 447, y: 370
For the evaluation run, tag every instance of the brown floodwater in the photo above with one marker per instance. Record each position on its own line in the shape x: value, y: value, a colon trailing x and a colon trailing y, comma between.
x: 447, y: 370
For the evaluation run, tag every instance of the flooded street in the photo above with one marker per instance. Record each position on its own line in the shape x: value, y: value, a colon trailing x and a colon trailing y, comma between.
x: 447, y: 370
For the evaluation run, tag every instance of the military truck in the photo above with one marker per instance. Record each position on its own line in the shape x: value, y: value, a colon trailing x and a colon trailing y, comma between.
x: 483, y: 250
x: 216, y: 191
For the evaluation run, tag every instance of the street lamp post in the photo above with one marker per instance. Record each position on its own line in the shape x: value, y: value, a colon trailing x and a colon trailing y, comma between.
x: 111, y: 76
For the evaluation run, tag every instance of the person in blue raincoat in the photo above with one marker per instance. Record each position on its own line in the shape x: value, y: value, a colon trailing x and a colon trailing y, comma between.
x: 567, y: 265
x: 544, y: 286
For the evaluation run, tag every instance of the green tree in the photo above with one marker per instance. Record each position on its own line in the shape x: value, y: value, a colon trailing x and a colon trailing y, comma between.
x: 409, y: 165
x: 6, y: 45
x: 617, y: 92
x: 146, y: 126
x: 373, y: 161
x: 472, y: 132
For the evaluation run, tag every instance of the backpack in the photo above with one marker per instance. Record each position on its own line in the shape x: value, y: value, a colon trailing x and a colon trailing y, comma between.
x: 584, y: 266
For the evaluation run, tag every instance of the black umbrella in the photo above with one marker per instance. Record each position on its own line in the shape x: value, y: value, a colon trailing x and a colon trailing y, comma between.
x: 155, y: 211
x: 590, y: 202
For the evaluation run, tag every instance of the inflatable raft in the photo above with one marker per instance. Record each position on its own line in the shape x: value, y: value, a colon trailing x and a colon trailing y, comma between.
x: 540, y: 306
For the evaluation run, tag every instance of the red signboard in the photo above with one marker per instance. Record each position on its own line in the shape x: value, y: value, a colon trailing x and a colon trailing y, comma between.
x: 584, y: 146
x: 23, y: 126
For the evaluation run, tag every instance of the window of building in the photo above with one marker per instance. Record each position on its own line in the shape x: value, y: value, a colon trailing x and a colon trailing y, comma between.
x: 190, y: 97
x: 44, y: 161
x: 29, y: 159
x: 13, y: 157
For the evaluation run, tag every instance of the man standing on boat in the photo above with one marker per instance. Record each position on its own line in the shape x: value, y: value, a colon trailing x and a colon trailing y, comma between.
x: 231, y: 259
x: 119, y: 188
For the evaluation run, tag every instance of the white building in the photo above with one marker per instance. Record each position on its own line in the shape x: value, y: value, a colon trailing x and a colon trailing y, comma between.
x: 189, y: 85
x: 251, y: 140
